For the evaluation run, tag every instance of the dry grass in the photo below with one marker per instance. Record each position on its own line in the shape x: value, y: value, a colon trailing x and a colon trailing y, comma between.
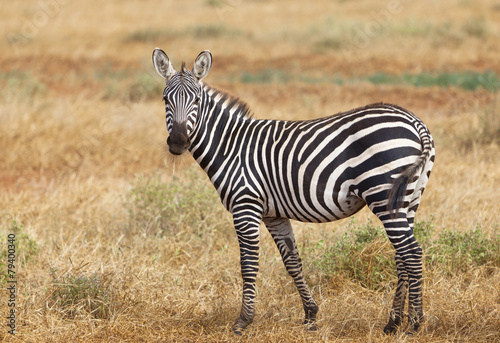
x: 82, y: 124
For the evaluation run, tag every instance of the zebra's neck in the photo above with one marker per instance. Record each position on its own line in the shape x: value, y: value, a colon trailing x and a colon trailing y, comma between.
x: 222, y: 119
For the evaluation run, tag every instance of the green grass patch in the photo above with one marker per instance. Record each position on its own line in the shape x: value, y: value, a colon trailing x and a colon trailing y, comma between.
x: 364, y: 254
x: 160, y: 35
x: 20, y: 84
x: 267, y: 76
x: 147, y: 35
x: 280, y: 76
x: 455, y: 251
x: 444, y: 33
x: 26, y: 249
x: 468, y: 80
x: 129, y: 85
x: 211, y: 31
x: 144, y: 87
x: 216, y: 3
x: 186, y: 203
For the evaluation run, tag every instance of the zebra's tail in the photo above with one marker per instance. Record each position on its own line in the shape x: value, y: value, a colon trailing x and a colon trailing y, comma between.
x: 397, y: 192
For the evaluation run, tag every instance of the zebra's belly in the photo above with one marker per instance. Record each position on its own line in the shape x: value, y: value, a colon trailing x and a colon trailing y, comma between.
x: 333, y: 206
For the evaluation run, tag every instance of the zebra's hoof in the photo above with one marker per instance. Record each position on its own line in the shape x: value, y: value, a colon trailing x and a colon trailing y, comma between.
x: 310, y: 325
x: 237, y: 331
x: 412, y: 329
x: 391, y: 328
x: 239, y: 326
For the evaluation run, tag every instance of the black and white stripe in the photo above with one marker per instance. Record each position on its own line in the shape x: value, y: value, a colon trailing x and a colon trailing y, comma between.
x: 316, y: 170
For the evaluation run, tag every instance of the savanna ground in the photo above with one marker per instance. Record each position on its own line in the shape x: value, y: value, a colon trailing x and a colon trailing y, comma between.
x: 117, y: 241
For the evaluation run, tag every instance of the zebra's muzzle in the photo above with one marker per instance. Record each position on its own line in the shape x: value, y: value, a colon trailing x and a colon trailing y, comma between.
x: 178, y: 140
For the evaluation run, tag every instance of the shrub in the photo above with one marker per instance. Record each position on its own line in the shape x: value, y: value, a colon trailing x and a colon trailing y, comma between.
x: 165, y: 208
x: 423, y: 232
x: 455, y: 251
x: 364, y: 254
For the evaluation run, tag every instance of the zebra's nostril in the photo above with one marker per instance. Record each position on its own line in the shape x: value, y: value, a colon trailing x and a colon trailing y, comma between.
x: 178, y: 144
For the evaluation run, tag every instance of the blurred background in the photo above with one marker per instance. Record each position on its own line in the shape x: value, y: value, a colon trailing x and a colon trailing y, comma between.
x: 117, y: 240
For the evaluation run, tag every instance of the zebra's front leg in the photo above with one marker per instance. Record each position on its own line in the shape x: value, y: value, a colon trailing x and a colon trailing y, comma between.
x: 247, y: 225
x: 282, y: 233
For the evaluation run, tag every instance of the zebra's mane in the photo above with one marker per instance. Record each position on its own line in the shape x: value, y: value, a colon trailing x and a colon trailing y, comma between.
x: 242, y: 108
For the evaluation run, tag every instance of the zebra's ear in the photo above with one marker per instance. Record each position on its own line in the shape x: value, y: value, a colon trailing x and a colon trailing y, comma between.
x: 162, y: 64
x: 202, y: 64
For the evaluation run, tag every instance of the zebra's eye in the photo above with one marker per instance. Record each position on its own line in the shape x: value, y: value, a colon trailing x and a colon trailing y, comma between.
x: 197, y: 100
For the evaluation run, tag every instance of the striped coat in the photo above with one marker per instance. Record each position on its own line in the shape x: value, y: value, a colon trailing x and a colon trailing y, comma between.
x: 317, y: 170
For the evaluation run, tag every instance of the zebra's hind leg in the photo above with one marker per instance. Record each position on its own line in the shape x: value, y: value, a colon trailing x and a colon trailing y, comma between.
x: 398, y: 305
x: 282, y: 233
x: 409, y: 265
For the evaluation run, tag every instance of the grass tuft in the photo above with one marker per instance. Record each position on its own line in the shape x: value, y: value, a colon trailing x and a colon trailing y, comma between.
x: 76, y: 295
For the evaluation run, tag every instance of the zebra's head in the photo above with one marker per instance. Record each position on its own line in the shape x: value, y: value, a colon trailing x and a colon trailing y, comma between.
x: 182, y: 97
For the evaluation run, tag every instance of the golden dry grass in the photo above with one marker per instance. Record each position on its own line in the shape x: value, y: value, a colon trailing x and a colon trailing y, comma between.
x: 81, y: 120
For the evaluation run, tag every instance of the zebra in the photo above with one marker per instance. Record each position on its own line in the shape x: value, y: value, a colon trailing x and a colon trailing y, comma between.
x: 317, y: 170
